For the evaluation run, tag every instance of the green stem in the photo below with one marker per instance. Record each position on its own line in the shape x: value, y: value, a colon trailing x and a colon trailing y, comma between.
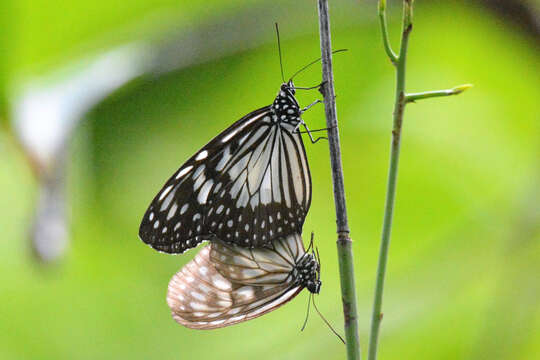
x: 399, y: 107
x: 437, y: 93
x: 344, y: 242
x: 401, y: 100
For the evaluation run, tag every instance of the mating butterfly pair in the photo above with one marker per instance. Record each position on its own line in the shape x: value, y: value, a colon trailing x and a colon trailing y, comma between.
x: 248, y: 192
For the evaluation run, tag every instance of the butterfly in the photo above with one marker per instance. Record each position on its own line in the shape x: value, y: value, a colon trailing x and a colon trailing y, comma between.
x: 226, y: 284
x: 248, y: 186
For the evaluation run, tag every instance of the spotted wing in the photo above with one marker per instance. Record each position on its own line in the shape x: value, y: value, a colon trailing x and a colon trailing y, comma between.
x: 248, y: 186
x: 204, y: 295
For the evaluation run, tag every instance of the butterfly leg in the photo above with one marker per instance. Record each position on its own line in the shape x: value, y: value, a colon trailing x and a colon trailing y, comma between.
x: 313, y: 141
x: 310, y: 105
x: 297, y: 131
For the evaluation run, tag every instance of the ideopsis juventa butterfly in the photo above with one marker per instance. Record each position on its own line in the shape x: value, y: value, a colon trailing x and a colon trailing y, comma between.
x: 249, y: 186
x: 226, y: 284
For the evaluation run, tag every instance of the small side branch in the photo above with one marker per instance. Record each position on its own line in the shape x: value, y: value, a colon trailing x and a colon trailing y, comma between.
x: 436, y: 93
x: 344, y: 243
x: 384, y: 30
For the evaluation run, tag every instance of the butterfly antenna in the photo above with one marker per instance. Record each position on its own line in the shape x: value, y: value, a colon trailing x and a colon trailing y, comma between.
x: 307, y: 314
x: 311, y: 63
x: 326, y: 322
x: 279, y: 50
x: 311, y: 242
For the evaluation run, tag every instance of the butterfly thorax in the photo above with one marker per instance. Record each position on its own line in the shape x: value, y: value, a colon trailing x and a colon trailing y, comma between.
x: 307, y: 273
x: 285, y: 107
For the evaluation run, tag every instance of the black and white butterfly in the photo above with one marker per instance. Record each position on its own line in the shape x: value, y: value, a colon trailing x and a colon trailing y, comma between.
x: 249, y: 186
x: 226, y: 284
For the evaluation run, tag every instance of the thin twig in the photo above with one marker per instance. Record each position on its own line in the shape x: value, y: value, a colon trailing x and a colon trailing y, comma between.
x: 412, y: 97
x: 344, y: 242
x: 401, y: 99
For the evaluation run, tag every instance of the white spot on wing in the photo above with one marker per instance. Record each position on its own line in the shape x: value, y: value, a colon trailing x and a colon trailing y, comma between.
x: 184, y: 172
x: 220, y: 283
x: 172, y: 211
x: 202, y: 155
x: 198, y: 306
x: 246, y: 292
x: 197, y: 296
x: 165, y: 192
x: 167, y: 201
x: 184, y: 209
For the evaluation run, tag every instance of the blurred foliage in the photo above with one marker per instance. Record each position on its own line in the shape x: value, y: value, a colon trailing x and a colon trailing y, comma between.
x: 463, y: 267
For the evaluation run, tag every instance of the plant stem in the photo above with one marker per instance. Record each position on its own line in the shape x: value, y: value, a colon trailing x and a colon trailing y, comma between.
x: 344, y: 242
x: 401, y: 99
x: 399, y: 107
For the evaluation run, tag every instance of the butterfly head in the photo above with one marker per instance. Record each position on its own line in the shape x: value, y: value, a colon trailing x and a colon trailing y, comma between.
x: 285, y: 106
x: 289, y: 86
x: 308, y: 273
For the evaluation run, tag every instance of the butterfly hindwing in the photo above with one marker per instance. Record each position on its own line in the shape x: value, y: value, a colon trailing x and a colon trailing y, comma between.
x: 201, y: 297
x: 258, y: 266
x: 248, y: 186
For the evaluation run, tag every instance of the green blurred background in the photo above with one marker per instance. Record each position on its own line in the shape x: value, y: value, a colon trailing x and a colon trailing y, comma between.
x: 463, y: 280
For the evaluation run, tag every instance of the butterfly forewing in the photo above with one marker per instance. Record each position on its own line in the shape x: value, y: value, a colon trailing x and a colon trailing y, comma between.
x: 248, y: 186
x: 202, y: 297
